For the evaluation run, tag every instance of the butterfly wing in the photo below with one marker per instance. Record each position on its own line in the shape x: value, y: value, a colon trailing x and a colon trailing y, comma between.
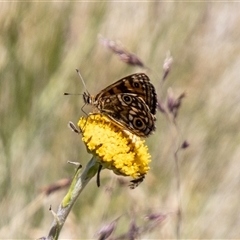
x: 130, y: 111
x: 138, y: 84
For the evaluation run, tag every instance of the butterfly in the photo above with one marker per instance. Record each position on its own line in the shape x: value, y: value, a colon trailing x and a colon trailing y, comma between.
x: 130, y: 102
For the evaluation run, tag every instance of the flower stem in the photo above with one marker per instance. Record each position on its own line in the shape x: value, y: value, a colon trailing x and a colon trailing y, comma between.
x: 79, y: 181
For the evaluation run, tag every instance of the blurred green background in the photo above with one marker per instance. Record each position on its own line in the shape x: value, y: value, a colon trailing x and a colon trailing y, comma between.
x: 41, y: 45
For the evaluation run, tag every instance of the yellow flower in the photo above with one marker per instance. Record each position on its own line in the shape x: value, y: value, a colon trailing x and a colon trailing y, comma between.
x: 115, y: 148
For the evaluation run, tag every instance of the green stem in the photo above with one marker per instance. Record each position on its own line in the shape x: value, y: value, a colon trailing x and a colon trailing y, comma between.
x: 79, y: 181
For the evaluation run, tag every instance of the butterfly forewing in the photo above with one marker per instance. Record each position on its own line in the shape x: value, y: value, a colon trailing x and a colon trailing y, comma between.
x: 137, y: 83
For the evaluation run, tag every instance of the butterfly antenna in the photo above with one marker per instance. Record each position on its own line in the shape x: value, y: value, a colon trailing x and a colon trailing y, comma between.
x: 67, y: 93
x: 79, y: 74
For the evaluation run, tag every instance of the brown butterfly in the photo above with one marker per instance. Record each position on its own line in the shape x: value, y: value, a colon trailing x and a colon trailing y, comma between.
x: 130, y: 102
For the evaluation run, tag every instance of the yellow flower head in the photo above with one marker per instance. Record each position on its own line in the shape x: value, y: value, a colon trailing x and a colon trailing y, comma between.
x: 115, y: 148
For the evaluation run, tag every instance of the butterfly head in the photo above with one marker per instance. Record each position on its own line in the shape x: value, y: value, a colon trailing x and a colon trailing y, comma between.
x: 88, y: 99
